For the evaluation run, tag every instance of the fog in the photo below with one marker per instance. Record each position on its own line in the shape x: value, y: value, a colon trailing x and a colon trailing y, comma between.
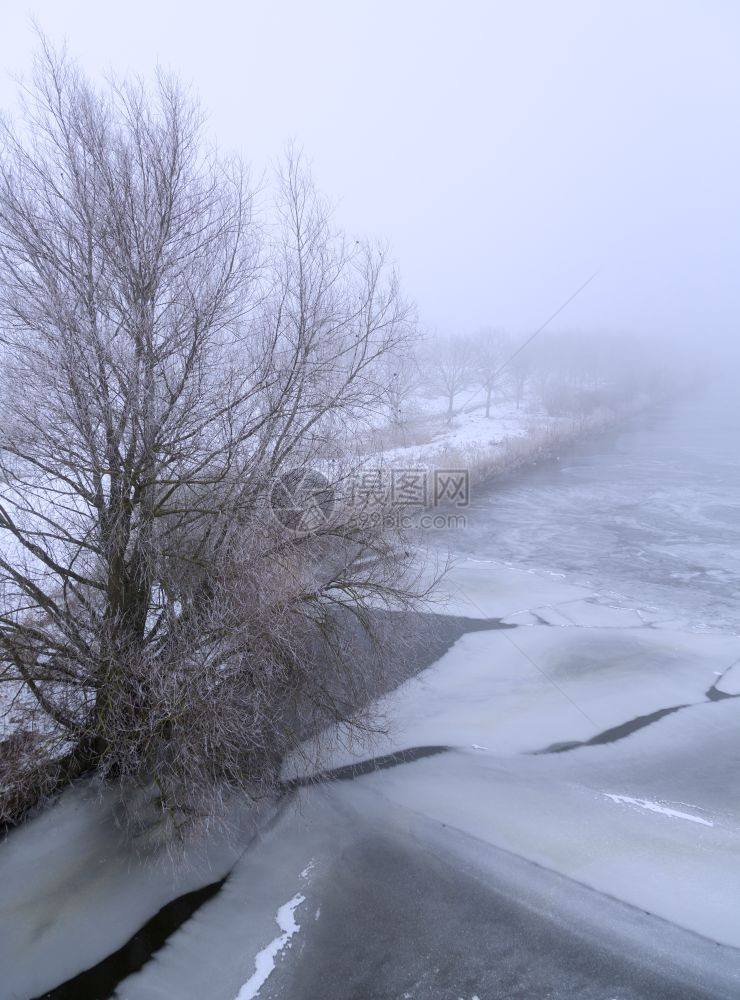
x: 506, y: 152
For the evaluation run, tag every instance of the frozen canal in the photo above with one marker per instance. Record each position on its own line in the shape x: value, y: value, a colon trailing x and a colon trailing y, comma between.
x: 651, y: 515
x: 574, y: 832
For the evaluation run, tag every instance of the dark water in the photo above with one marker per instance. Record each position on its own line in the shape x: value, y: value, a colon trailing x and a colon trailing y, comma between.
x: 650, y: 515
x: 100, y: 981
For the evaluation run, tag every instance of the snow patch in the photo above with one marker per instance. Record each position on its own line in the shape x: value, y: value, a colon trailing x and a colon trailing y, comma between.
x: 657, y: 807
x: 264, y: 962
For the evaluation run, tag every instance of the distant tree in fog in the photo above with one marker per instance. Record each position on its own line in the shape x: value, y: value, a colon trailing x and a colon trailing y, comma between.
x: 521, y: 369
x: 448, y: 368
x: 400, y: 379
x: 490, y: 350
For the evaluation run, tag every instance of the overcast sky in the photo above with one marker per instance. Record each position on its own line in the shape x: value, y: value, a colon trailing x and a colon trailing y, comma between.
x: 505, y: 150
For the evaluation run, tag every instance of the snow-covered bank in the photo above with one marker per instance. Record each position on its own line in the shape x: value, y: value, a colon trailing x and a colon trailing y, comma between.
x: 511, y: 437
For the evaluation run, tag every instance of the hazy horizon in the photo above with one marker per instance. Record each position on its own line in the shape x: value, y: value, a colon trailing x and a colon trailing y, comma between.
x: 505, y: 153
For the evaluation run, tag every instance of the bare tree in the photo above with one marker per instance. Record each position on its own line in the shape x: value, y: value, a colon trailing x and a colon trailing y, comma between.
x: 169, y: 359
x: 401, y: 378
x: 521, y: 369
x: 448, y: 368
x: 490, y: 350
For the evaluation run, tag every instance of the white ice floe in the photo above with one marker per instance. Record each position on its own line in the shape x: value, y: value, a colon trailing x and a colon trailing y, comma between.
x: 264, y: 962
x: 482, y: 588
x: 522, y: 690
x: 657, y: 807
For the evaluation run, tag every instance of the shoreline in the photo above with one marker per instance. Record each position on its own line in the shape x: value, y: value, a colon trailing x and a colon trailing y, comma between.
x: 486, y: 464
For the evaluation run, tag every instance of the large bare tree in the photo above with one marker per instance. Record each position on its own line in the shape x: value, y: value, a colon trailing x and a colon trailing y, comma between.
x: 173, y: 368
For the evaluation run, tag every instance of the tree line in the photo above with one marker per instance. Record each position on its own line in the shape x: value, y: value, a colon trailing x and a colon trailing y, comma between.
x: 562, y: 372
